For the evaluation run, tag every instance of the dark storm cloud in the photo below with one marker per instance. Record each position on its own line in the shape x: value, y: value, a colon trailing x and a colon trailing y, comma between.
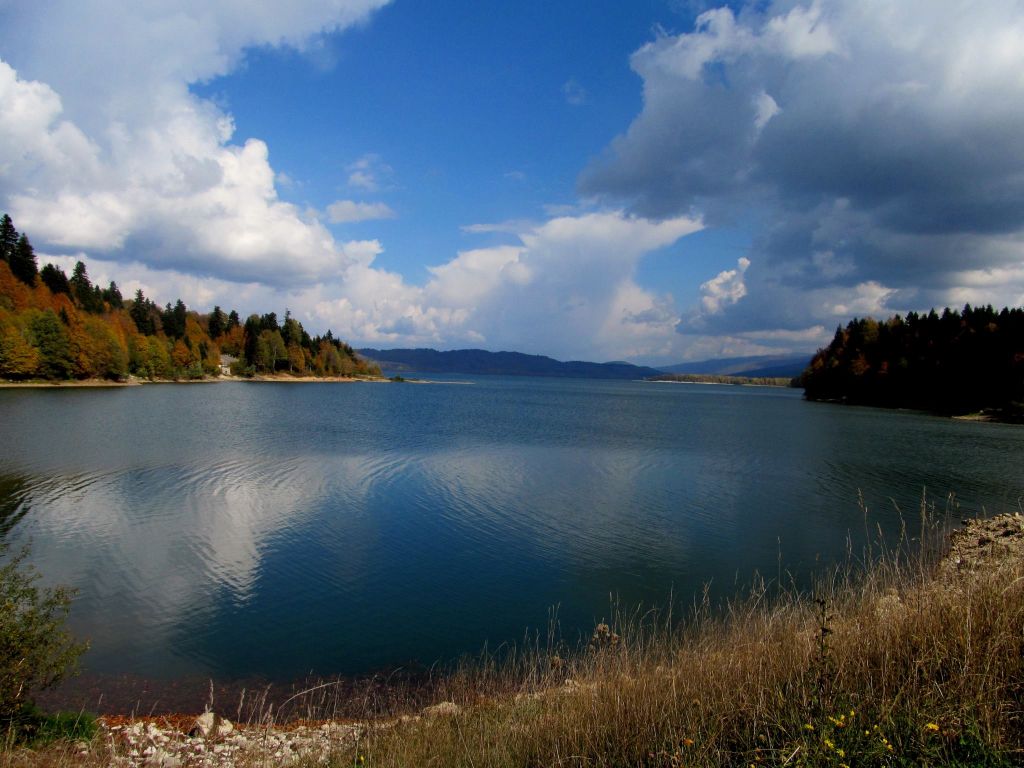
x: 882, y: 144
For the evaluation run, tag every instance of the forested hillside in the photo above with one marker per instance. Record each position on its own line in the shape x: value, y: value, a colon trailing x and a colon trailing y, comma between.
x: 953, y: 363
x: 482, y: 362
x: 55, y: 327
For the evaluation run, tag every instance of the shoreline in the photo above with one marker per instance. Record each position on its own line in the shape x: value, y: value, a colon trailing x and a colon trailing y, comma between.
x: 137, y: 382
x: 635, y: 686
x: 718, y: 383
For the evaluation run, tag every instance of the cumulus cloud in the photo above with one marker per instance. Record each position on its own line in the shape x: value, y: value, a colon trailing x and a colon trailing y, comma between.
x: 876, y: 147
x: 345, y: 211
x: 566, y: 289
x: 726, y: 288
x: 103, y: 146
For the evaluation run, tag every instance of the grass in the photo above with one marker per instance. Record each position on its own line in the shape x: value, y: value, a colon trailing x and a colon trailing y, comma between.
x: 889, y: 661
x: 897, y: 658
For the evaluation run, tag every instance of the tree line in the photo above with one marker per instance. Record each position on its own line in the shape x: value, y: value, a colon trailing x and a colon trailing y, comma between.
x: 57, y: 327
x: 956, y: 362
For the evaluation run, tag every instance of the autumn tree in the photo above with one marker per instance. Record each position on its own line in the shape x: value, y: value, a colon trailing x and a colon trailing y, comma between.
x: 19, y: 359
x: 51, y: 340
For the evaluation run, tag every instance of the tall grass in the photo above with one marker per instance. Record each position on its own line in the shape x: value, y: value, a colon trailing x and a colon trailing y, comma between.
x: 892, y: 659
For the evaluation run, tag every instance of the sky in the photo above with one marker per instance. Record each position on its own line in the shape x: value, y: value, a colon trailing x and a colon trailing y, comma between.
x: 653, y: 180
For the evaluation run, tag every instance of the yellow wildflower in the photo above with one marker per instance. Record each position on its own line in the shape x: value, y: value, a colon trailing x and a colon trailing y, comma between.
x: 933, y: 727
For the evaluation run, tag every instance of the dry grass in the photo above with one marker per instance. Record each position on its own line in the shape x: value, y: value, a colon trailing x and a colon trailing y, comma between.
x: 890, y: 660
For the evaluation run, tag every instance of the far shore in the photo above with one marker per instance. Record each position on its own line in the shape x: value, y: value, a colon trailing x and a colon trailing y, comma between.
x: 134, y: 381
x: 718, y: 383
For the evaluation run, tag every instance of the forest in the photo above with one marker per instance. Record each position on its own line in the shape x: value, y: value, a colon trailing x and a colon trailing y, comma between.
x: 956, y: 362
x: 56, y: 327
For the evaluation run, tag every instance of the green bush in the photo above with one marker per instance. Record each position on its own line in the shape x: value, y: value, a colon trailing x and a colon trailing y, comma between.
x: 36, y: 651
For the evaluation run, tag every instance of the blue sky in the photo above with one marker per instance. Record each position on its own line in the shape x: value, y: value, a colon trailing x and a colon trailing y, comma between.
x: 481, y: 112
x: 658, y: 180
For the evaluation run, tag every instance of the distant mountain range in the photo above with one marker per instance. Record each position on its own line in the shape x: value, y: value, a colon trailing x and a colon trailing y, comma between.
x: 482, y: 362
x: 754, y: 366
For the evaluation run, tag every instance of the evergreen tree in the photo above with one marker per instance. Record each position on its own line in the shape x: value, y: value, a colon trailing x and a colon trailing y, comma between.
x: 217, y: 323
x: 23, y: 261
x: 180, y: 317
x: 291, y: 331
x: 173, y: 319
x: 112, y: 295
x: 8, y: 238
x: 233, y: 321
x: 141, y: 313
x: 82, y: 289
x: 55, y: 279
x: 250, y: 345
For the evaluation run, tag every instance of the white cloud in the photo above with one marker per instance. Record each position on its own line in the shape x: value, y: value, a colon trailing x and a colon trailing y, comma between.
x: 875, y: 146
x: 866, y: 299
x: 725, y: 288
x: 369, y: 173
x: 102, y: 145
x: 567, y: 290
x: 344, y: 211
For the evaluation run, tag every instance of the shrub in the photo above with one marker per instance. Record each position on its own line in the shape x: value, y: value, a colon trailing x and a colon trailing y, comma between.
x: 36, y: 651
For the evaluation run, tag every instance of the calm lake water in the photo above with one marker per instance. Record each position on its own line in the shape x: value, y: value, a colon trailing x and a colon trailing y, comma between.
x: 235, y: 529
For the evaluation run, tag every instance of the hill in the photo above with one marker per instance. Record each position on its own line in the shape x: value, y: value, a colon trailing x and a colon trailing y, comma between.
x: 756, y: 366
x: 482, y: 362
x: 56, y: 328
x: 953, y: 363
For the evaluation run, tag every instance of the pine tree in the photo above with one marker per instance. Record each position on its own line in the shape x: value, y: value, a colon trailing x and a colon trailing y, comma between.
x: 82, y: 289
x: 112, y: 295
x: 251, y: 339
x: 23, y: 261
x: 8, y: 238
x: 217, y: 322
x: 55, y: 279
x: 141, y: 314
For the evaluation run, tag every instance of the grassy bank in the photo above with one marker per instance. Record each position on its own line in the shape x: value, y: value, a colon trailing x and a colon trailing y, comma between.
x: 911, y: 660
x: 909, y: 656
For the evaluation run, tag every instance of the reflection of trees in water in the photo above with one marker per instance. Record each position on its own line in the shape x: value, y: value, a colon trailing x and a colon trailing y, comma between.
x: 14, y: 503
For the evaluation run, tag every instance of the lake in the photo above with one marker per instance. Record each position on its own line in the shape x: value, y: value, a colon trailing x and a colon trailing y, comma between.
x: 234, y: 530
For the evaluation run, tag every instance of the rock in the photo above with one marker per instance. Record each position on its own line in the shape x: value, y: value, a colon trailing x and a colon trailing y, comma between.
x: 208, y: 724
x: 161, y: 759
x: 203, y: 725
x: 444, y: 708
